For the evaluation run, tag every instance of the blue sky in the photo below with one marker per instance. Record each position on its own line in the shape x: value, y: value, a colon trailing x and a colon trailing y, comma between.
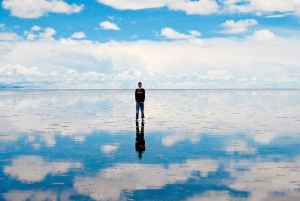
x: 177, y: 43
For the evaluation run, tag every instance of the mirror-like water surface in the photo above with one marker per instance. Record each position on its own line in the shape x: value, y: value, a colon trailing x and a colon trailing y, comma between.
x: 194, y: 145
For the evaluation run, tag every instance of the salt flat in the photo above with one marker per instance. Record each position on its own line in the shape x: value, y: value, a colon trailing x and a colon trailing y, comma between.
x: 199, y: 145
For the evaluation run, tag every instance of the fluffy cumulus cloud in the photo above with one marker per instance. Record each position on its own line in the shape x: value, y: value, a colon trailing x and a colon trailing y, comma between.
x: 276, y: 5
x: 35, y: 169
x: 16, y: 75
x: 212, y: 196
x: 47, y: 34
x: 232, y: 27
x: 37, y: 33
x: 39, y: 8
x: 268, y: 177
x: 171, y: 140
x: 173, y: 34
x: 33, y: 77
x: 266, y: 6
x: 190, y: 63
x: 31, y: 195
x: 78, y: 35
x: 202, y: 7
x: 138, y: 177
x: 109, y: 26
x: 263, y: 35
x: 232, y: 6
x: 108, y: 148
x: 9, y: 36
x: 134, y: 4
x: 6, y: 34
x: 35, y: 28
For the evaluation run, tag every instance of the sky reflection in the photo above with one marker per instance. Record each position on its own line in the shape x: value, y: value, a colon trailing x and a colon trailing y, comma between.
x: 208, y: 145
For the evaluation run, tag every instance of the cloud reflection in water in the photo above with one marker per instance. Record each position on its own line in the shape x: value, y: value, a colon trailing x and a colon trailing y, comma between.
x: 201, y: 145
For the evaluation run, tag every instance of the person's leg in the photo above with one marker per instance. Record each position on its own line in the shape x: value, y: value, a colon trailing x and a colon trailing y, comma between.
x: 142, y: 110
x: 137, y: 110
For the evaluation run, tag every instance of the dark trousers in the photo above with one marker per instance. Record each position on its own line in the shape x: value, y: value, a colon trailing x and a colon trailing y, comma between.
x: 138, y: 107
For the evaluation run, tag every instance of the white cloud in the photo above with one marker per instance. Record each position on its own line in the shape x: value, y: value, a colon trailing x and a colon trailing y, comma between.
x: 109, y: 148
x: 212, y: 196
x: 194, y: 62
x: 202, y: 7
x: 138, y: 177
x: 10, y: 70
x: 232, y: 6
x: 109, y: 26
x: 68, y: 42
x: 31, y: 36
x: 240, y: 26
x: 173, y: 34
x: 278, y: 15
x: 44, y: 36
x: 262, y: 7
x: 47, y: 35
x: 35, y: 169
x: 30, y: 195
x: 134, y: 4
x: 78, y: 138
x: 268, y: 177
x: 263, y: 35
x: 44, y: 111
x: 9, y: 138
x: 264, y: 137
x: 195, y: 33
x: 8, y: 36
x: 39, y: 8
x: 240, y: 147
x: 78, y: 35
x: 172, y: 139
x: 33, y: 77
x: 276, y: 5
x: 35, y: 28
x: 205, y: 7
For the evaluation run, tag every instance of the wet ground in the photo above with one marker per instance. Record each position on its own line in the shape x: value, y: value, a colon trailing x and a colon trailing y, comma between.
x: 194, y: 145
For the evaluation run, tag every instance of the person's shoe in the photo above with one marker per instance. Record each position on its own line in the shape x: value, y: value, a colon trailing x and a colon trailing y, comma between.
x: 136, y: 120
x: 142, y: 119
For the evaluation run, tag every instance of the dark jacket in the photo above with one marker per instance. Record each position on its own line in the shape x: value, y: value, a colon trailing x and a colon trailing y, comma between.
x: 140, y: 95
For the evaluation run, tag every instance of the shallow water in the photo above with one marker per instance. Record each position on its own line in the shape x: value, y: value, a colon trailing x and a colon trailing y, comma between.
x: 199, y: 145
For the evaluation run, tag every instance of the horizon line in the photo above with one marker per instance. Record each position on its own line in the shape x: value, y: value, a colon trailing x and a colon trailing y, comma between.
x: 21, y: 89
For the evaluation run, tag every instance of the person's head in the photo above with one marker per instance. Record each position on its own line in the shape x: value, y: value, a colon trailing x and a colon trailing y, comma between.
x: 140, y: 84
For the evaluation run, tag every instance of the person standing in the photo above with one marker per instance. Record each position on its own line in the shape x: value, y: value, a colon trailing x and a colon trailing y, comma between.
x: 139, y: 99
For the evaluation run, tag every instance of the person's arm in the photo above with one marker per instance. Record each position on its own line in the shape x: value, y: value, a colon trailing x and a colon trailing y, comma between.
x: 144, y: 95
x: 135, y: 94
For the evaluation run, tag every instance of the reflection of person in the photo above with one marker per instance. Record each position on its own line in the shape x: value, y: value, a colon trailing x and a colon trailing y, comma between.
x: 139, y: 99
x: 140, y: 145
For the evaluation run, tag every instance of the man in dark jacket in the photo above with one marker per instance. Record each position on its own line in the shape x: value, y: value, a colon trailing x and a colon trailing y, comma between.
x: 139, y: 99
